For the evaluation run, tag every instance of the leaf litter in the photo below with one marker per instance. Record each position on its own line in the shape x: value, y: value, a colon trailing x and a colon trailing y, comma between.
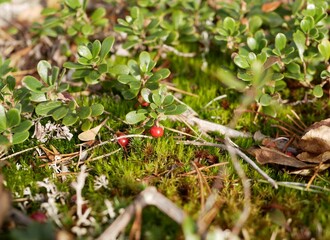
x: 305, y: 155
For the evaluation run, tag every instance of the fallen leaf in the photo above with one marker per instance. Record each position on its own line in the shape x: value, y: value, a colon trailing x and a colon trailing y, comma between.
x: 270, y: 6
x: 267, y: 155
x: 317, y: 138
x: 314, y: 158
x: 90, y: 134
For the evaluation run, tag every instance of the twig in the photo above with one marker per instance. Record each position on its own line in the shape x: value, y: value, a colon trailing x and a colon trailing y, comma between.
x: 208, y: 126
x: 301, y: 186
x: 149, y: 196
x: 18, y: 153
x: 176, y: 52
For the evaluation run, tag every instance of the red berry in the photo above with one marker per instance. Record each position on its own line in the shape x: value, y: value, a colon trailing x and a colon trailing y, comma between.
x: 122, y: 141
x: 39, y: 217
x: 156, y: 131
x: 144, y: 104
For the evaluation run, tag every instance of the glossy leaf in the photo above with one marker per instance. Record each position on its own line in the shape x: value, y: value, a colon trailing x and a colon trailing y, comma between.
x: 44, y: 108
x: 133, y: 117
x: 178, y: 110
x: 280, y: 41
x: 60, y: 113
x: 23, y: 126
x: 74, y: 4
x: 84, y: 51
x: 241, y: 62
x: 3, y: 119
x: 20, y: 137
x: 97, y: 110
x: 70, y: 119
x: 324, y: 49
x: 119, y: 69
x: 96, y: 48
x: 32, y: 84
x: 318, y: 91
x: 106, y: 46
x: 13, y: 117
x: 84, y: 112
x: 299, y: 39
x: 43, y: 69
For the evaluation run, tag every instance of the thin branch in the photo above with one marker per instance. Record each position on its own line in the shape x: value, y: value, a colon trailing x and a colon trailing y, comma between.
x: 18, y: 153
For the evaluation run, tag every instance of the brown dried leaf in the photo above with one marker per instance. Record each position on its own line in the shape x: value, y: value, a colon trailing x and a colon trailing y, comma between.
x: 271, y: 6
x: 267, y: 155
x: 314, y: 158
x: 317, y: 138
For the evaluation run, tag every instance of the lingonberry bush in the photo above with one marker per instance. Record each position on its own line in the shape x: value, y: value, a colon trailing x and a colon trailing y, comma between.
x: 260, y: 49
x: 267, y: 47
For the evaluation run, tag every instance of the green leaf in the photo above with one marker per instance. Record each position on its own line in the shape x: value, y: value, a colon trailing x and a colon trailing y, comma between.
x: 255, y: 23
x: 23, y: 126
x: 4, y: 141
x: 20, y: 137
x: 125, y: 79
x: 84, y: 112
x: 97, y: 110
x: 156, y: 98
x: 60, y: 113
x: 71, y: 65
x: 252, y: 43
x: 241, y: 62
x: 119, y: 69
x: 54, y: 76
x: 33, y: 84
x: 70, y: 119
x: 169, y: 99
x: 87, y: 30
x: 229, y: 24
x: 37, y: 97
x: 96, y: 48
x: 84, y: 51
x: 144, y: 59
x: 297, y: 6
x: 74, y: 4
x: 280, y: 41
x: 45, y: 108
x: 145, y: 93
x: 164, y: 72
x: 178, y: 110
x: 13, y: 117
x: 106, y: 46
x: 43, y: 69
x: 98, y: 14
x: 133, y: 117
x: 86, y: 125
x: 265, y: 100
x: 3, y: 119
x: 318, y: 91
x: 324, y: 49
x: 299, y: 39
